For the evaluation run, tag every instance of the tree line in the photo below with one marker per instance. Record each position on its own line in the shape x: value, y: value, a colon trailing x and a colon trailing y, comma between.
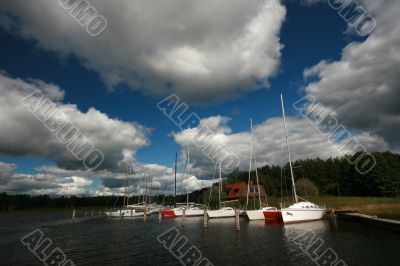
x: 333, y: 176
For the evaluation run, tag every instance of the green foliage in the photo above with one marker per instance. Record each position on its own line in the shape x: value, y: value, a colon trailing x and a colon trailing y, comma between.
x: 306, y: 188
x: 334, y: 176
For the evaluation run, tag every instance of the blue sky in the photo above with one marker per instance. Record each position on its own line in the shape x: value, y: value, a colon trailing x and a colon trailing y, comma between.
x: 309, y: 34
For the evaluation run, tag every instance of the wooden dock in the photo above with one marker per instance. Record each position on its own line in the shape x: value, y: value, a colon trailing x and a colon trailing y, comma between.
x: 355, y: 216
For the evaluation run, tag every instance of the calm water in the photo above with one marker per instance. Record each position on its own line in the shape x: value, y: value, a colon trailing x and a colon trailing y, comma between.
x: 105, y: 241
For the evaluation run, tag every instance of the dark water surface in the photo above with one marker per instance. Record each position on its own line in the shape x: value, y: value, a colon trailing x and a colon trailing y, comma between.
x: 104, y: 241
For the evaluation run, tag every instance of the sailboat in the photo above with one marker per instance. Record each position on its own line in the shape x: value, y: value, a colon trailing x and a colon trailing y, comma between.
x: 169, y: 212
x: 191, y: 209
x: 300, y: 211
x: 126, y: 210
x: 263, y: 212
x: 146, y: 204
x: 224, y: 212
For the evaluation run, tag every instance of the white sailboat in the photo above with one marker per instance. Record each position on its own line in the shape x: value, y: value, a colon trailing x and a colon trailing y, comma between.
x: 303, y: 211
x: 126, y: 210
x: 263, y: 212
x: 191, y: 209
x: 224, y: 212
x: 124, y: 213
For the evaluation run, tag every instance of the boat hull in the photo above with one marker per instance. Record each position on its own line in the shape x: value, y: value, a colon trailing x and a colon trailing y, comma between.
x: 222, y: 213
x: 272, y: 215
x: 290, y: 215
x: 168, y: 213
x: 124, y: 213
x: 255, y: 215
x: 189, y: 212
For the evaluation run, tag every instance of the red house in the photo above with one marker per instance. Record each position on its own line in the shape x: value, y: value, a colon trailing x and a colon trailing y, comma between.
x: 238, y: 190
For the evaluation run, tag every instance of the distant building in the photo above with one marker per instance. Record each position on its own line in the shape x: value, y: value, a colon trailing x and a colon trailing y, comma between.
x: 230, y: 192
x: 239, y: 190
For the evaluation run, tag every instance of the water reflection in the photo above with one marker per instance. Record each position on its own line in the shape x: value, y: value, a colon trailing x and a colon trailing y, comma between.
x: 133, y: 242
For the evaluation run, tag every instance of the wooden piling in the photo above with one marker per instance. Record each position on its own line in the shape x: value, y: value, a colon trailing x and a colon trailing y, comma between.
x: 120, y: 213
x: 110, y: 212
x: 145, y: 214
x: 183, y: 217
x: 159, y: 216
x: 205, y: 219
x: 92, y: 213
x: 73, y: 214
x: 237, y: 219
x: 131, y: 213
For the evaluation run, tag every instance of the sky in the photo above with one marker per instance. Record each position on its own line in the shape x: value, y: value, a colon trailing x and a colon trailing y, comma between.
x: 227, y: 61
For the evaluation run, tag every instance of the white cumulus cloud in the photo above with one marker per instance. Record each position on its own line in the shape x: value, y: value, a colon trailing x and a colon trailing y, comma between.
x: 192, y: 48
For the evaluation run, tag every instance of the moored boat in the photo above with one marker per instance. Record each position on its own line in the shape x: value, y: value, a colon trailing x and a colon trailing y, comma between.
x: 225, y: 212
x: 272, y: 213
x: 124, y: 213
x: 304, y: 211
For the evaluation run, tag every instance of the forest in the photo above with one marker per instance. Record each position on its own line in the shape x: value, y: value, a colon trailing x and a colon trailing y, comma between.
x: 331, y: 177
x: 334, y: 176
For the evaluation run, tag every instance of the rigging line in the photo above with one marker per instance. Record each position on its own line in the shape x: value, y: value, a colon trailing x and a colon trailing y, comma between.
x: 258, y: 183
x: 183, y: 174
x: 140, y: 187
x: 248, y: 181
x: 282, y: 169
x: 116, y: 199
x: 255, y: 163
x: 212, y: 185
x: 129, y: 183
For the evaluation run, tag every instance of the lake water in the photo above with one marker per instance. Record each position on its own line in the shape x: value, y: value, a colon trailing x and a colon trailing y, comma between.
x: 104, y: 241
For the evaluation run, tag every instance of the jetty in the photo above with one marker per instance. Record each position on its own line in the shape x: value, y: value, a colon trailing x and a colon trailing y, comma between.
x: 356, y: 216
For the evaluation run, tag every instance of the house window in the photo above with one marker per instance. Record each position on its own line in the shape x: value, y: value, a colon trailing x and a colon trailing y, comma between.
x: 253, y: 190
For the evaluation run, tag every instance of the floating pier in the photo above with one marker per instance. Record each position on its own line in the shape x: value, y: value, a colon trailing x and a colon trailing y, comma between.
x: 356, y: 216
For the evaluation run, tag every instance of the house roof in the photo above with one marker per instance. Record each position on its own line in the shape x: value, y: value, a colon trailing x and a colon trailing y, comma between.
x: 237, y: 190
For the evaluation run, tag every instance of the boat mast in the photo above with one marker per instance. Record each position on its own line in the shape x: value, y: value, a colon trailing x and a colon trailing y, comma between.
x: 139, y: 190
x: 288, y: 150
x: 176, y: 159
x: 188, y: 172
x: 129, y: 183
x: 126, y: 184
x: 220, y: 183
x: 255, y: 160
x: 145, y: 192
x: 251, y: 155
x: 151, y: 187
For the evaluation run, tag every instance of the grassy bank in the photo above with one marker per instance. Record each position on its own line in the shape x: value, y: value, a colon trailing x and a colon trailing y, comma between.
x: 381, y: 207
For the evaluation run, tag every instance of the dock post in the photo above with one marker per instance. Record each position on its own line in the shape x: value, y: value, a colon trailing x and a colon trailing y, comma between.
x: 145, y: 214
x: 110, y: 212
x: 85, y: 213
x: 205, y: 219
x: 73, y: 214
x: 237, y: 220
x: 92, y: 213
x: 120, y: 213
x: 159, y: 216
x: 131, y: 213
x: 183, y: 217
